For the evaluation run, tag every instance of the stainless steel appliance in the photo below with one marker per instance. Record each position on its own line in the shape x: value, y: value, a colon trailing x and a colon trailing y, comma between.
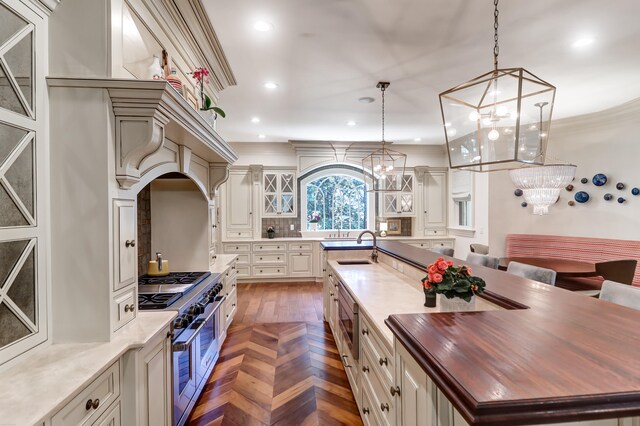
x: 348, y: 318
x: 197, y: 298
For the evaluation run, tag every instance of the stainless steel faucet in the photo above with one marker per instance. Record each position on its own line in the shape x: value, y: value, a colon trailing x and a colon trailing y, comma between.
x: 374, y: 253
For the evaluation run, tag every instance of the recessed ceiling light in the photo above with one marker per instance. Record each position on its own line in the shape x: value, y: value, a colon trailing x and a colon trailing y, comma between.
x: 262, y: 26
x: 270, y: 85
x: 351, y: 123
x: 583, y: 42
x: 366, y: 100
x: 261, y: 136
x: 447, y: 124
x: 417, y: 139
x: 255, y: 120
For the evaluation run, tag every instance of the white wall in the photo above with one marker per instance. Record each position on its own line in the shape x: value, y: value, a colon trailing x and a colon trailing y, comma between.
x: 605, y: 142
x: 479, y: 232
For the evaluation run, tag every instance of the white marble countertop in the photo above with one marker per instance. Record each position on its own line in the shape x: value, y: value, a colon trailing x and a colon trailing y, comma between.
x: 381, y: 291
x: 222, y: 263
x: 40, y: 385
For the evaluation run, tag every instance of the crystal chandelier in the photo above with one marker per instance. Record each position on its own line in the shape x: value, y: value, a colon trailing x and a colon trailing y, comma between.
x: 384, y: 168
x: 499, y: 120
x: 541, y: 186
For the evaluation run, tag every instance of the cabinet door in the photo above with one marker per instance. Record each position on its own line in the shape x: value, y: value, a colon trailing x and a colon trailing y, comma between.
x: 415, y: 406
x: 126, y: 254
x: 239, y: 206
x: 301, y: 264
x: 287, y: 194
x: 270, y: 195
x: 213, y: 226
x: 155, y: 382
x: 435, y: 201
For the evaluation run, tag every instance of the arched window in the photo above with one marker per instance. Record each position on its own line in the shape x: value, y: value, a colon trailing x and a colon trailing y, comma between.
x: 335, y: 198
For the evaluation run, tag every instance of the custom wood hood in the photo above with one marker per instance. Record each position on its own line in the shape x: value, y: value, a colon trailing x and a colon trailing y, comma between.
x: 146, y: 112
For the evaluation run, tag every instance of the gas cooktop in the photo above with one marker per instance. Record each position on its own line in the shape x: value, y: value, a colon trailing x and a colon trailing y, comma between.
x: 157, y: 300
x: 160, y: 292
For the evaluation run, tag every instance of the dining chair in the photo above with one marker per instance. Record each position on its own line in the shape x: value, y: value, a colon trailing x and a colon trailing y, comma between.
x: 479, y: 248
x: 483, y: 260
x: 447, y: 251
x: 543, y: 275
x: 621, y: 271
x: 621, y: 294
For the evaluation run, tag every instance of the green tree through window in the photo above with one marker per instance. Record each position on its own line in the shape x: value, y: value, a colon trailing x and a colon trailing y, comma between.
x: 340, y: 201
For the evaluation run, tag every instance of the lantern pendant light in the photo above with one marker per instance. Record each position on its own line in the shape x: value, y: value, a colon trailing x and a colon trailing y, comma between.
x: 499, y: 120
x: 383, y: 169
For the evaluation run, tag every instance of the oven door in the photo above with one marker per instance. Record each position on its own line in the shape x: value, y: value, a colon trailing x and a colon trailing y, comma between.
x: 207, y: 343
x: 184, y: 378
x: 348, y: 318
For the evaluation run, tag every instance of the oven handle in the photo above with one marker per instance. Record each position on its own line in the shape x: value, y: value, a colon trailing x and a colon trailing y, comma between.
x: 184, y: 345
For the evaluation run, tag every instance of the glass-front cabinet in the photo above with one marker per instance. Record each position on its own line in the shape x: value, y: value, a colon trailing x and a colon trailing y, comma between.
x: 400, y: 198
x: 279, y: 193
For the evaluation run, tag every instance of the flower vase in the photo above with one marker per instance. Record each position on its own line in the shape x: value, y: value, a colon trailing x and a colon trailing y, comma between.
x: 456, y: 304
x: 271, y: 235
x: 208, y: 116
x: 313, y: 226
x: 429, y: 298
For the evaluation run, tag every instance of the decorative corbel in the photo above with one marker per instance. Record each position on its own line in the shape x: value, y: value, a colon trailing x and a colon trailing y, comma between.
x: 218, y: 174
x: 185, y: 158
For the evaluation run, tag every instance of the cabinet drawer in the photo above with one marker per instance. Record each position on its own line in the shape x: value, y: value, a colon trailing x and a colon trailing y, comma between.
x: 243, y: 271
x: 425, y: 246
x: 239, y: 234
x: 237, y: 247
x: 269, y: 259
x: 300, y: 246
x: 111, y: 417
x: 444, y: 243
x: 124, y: 308
x: 269, y: 271
x: 243, y: 259
x: 383, y: 402
x: 231, y: 307
x: 437, y: 231
x: 212, y: 257
x: 383, y: 359
x: 259, y: 247
x: 369, y: 411
x: 99, y: 394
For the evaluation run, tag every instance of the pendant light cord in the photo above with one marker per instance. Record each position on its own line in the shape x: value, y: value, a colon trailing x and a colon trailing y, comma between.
x: 496, y: 49
x: 383, y: 89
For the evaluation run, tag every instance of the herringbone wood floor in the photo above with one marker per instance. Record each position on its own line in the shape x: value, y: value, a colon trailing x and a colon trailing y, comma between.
x: 278, y: 373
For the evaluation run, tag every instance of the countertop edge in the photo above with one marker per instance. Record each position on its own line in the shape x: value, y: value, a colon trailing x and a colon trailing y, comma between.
x: 121, y: 344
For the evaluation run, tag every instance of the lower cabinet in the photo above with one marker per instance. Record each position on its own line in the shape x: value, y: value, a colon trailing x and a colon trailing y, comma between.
x: 113, y: 417
x: 301, y: 264
x: 416, y: 400
x: 154, y: 382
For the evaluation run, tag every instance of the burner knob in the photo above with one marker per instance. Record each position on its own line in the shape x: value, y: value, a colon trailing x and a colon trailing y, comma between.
x: 199, y: 308
x: 193, y: 310
x: 180, y: 322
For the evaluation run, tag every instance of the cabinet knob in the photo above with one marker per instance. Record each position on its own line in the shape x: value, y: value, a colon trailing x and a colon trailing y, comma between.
x: 365, y: 411
x: 170, y: 334
x: 234, y: 305
x: 365, y: 369
x: 237, y: 248
x: 335, y: 300
x: 384, y: 407
x: 383, y: 361
x: 129, y: 308
x: 92, y: 403
x: 130, y: 243
x: 394, y: 390
x: 365, y: 331
x: 331, y: 293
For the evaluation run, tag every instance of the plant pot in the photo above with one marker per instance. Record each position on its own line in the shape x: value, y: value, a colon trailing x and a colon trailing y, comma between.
x: 313, y: 226
x: 209, y: 116
x: 271, y: 235
x: 429, y: 298
x: 456, y: 304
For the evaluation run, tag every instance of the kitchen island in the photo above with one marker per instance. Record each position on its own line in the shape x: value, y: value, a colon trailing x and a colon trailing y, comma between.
x: 544, y: 355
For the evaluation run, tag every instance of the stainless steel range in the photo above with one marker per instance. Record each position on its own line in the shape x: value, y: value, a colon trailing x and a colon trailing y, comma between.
x: 197, y: 298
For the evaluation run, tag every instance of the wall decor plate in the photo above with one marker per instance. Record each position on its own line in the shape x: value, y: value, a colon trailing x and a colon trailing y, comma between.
x: 584, y: 180
x: 621, y: 200
x: 635, y: 191
x: 569, y: 188
x: 620, y: 186
x: 581, y: 197
x: 599, y: 179
x: 572, y: 203
x: 608, y: 197
x: 524, y: 204
x: 517, y: 192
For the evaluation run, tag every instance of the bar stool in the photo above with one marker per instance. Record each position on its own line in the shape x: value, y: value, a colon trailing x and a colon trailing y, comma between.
x: 621, y: 294
x: 543, y: 275
x: 447, y: 251
x: 479, y: 248
x: 483, y: 260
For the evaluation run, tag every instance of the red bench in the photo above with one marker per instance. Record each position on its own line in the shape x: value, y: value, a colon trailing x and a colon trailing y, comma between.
x: 574, y: 248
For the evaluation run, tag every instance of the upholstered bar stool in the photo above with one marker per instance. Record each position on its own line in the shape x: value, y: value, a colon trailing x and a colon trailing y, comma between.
x: 543, y: 275
x: 443, y: 250
x: 621, y: 294
x: 479, y: 248
x: 483, y: 260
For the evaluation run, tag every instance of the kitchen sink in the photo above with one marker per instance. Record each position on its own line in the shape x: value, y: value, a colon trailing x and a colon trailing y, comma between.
x: 354, y: 262
x: 340, y: 238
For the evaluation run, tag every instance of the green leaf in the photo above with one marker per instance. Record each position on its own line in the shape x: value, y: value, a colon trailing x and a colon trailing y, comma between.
x: 219, y: 111
x: 207, y: 102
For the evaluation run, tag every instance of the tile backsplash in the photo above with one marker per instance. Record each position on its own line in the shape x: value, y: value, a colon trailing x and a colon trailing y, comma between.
x: 406, y: 224
x: 282, y: 227
x: 144, y: 229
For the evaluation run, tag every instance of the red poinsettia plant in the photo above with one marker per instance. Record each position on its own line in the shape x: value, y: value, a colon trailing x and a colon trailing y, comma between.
x: 452, y: 281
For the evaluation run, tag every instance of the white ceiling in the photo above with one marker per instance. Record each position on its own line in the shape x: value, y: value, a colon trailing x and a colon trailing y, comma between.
x: 325, y: 54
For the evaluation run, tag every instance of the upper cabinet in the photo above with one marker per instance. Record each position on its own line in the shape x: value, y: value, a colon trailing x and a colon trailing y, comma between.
x: 279, y: 194
x: 400, y: 201
x: 239, y: 204
x: 434, y: 208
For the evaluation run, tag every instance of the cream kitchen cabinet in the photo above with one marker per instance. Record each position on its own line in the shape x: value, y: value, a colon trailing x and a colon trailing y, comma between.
x: 415, y: 392
x: 155, y: 379
x: 278, y: 193
x: 434, y: 211
x: 401, y: 201
x: 301, y: 264
x: 125, y: 250
x: 239, y: 204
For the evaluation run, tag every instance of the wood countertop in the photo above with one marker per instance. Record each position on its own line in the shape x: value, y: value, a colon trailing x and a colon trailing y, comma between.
x: 551, y: 356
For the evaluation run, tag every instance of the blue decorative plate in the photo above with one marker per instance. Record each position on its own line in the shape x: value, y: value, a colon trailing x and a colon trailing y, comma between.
x: 581, y: 197
x: 599, y: 179
x: 635, y: 191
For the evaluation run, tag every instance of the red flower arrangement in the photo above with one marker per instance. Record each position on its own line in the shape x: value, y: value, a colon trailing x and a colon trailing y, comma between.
x: 201, y: 76
x: 452, y: 281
